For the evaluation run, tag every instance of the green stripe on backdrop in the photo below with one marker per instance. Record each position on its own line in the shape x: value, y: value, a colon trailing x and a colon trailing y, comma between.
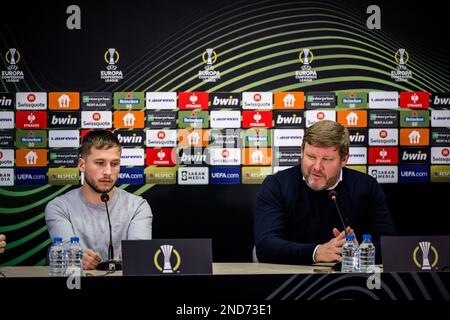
x: 28, y: 254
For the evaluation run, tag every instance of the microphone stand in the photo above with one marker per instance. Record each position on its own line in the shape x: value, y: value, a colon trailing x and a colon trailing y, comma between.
x: 109, y: 265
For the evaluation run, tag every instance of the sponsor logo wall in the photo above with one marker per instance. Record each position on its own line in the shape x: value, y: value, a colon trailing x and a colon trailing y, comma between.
x: 221, y: 137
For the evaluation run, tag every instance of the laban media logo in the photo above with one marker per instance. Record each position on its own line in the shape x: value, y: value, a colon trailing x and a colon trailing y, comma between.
x: 425, y: 256
x: 129, y: 100
x: 167, y: 259
x: 6, y: 177
x: 225, y: 100
x: 134, y: 176
x: 161, y: 119
x: 225, y: 175
x: 384, y: 174
x: 96, y: 101
x: 31, y: 139
x: 130, y: 138
x: 160, y: 175
x: 63, y: 176
x: 193, y: 175
x: 383, y: 118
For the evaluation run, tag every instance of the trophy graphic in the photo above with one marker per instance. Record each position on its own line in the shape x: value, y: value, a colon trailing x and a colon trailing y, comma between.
x: 209, y: 52
x: 401, y: 53
x: 306, y: 56
x: 425, y: 247
x: 12, y: 52
x: 111, y: 51
x: 167, y: 252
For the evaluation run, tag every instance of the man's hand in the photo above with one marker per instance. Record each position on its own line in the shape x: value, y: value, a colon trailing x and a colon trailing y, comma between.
x: 336, y: 233
x: 332, y: 250
x: 2, y: 243
x: 90, y: 259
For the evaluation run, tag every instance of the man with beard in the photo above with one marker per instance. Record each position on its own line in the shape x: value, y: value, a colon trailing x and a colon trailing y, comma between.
x: 295, y: 220
x: 80, y: 212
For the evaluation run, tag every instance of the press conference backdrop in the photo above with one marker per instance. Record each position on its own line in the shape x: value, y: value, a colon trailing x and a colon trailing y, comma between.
x: 209, y: 97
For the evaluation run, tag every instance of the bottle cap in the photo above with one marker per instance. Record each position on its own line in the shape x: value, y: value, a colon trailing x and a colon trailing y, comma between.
x: 350, y: 236
x: 367, y: 237
x: 74, y: 240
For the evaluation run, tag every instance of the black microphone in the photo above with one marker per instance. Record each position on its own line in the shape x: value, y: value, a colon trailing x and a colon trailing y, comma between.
x: 333, y: 196
x: 110, y: 264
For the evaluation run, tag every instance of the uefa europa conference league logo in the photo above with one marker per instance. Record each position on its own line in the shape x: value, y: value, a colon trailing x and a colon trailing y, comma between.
x: 168, y: 251
x: 112, y: 72
x: 209, y: 74
x: 401, y: 73
x: 425, y: 247
x: 307, y: 73
x: 13, y: 73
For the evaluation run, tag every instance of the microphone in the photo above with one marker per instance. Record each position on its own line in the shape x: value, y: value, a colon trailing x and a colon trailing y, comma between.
x: 111, y: 264
x: 332, y: 195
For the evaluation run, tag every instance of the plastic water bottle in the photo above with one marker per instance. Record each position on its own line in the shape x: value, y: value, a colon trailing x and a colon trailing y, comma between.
x: 349, y: 261
x: 74, y: 256
x: 56, y: 258
x: 367, y: 255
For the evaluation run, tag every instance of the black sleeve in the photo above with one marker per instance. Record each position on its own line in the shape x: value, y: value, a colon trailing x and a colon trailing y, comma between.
x: 379, y: 218
x: 271, y: 237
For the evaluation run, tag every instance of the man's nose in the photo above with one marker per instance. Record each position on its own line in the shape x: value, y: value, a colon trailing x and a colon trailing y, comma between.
x: 317, y: 164
x: 107, y: 169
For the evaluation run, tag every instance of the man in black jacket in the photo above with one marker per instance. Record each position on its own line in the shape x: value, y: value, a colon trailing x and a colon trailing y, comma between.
x: 297, y: 223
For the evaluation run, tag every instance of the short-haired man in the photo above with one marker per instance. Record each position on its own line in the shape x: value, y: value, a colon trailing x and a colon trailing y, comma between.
x: 81, y: 212
x: 296, y: 222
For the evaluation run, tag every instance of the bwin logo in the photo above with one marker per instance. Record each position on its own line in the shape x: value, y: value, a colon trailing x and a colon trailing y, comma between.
x: 357, y: 138
x: 230, y: 101
x: 129, y: 139
x: 64, y: 121
x: 419, y: 156
x: 289, y: 119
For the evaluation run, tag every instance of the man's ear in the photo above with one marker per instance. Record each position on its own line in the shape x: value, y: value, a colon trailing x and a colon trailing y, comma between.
x: 81, y: 164
x: 344, y: 160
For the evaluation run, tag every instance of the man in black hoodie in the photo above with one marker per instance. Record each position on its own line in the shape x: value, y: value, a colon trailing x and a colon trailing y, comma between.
x: 297, y: 223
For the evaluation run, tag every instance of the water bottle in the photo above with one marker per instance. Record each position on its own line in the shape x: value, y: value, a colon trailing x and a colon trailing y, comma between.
x: 56, y: 258
x: 367, y: 255
x: 349, y: 261
x: 74, y: 256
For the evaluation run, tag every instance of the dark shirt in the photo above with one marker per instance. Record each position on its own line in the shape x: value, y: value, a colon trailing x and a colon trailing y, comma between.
x: 291, y: 219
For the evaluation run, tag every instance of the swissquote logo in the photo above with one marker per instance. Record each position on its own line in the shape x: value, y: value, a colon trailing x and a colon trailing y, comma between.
x: 31, y: 100
x: 96, y: 119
